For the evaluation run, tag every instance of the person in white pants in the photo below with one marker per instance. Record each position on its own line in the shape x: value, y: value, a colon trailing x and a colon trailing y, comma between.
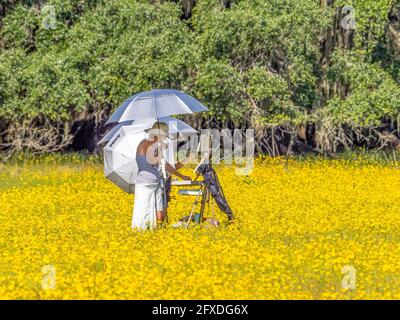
x: 148, y: 208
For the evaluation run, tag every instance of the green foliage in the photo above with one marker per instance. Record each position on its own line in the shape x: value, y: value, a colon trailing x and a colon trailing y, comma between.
x: 271, y: 93
x: 374, y: 94
x: 270, y: 46
x: 219, y: 84
x: 371, y: 18
x: 257, y: 61
x: 111, y: 52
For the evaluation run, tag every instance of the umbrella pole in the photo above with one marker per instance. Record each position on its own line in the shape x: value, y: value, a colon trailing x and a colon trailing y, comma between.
x: 164, y: 177
x: 164, y: 184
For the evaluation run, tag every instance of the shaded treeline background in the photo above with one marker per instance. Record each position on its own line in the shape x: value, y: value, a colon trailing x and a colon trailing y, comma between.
x: 287, y: 68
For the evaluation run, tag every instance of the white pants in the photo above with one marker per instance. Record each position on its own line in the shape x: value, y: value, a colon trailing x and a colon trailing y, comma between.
x: 148, y: 200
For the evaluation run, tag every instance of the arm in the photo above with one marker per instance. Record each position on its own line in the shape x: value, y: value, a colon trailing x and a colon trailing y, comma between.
x: 178, y: 165
x: 181, y: 163
x: 175, y: 172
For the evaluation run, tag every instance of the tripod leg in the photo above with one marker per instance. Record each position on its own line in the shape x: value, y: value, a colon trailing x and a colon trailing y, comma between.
x: 203, y: 202
x: 194, y: 207
x: 165, y: 199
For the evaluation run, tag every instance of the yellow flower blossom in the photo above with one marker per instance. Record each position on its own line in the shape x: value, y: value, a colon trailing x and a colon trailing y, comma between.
x: 297, y: 227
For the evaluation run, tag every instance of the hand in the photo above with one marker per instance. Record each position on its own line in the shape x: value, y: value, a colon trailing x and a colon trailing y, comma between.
x: 186, y: 177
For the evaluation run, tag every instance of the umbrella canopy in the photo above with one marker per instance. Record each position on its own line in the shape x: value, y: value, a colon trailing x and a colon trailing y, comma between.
x: 156, y: 104
x: 120, y: 155
x: 175, y: 126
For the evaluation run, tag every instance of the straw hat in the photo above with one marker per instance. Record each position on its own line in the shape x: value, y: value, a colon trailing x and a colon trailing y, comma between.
x: 158, y: 129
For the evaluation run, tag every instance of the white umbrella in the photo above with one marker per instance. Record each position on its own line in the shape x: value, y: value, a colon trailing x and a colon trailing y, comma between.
x: 155, y: 104
x: 120, y: 157
x: 176, y: 128
x: 120, y: 152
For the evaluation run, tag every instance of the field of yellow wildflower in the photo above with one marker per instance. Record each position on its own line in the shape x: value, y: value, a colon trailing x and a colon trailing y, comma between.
x: 311, y: 229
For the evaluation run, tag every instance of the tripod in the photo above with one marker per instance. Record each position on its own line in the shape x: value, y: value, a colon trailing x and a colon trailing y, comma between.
x: 205, y: 198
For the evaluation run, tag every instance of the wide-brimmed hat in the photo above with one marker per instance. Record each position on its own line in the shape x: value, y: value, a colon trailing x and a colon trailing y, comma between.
x: 158, y: 129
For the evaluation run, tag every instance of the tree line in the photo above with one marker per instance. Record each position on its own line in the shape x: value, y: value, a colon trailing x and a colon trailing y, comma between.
x: 319, y: 76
